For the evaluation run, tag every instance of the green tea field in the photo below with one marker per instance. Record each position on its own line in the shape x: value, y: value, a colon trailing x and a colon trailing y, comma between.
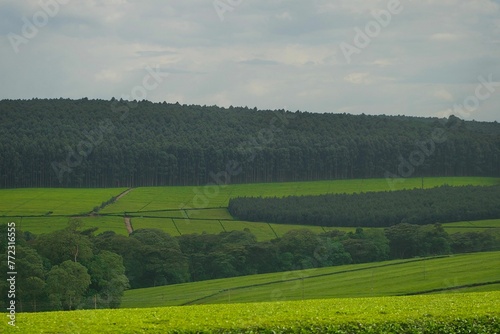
x: 451, y: 313
x: 52, y: 201
x: 390, y: 278
x: 184, y: 210
x: 163, y: 198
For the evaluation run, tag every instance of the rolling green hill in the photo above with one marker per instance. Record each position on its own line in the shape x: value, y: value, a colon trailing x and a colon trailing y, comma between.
x: 389, y: 278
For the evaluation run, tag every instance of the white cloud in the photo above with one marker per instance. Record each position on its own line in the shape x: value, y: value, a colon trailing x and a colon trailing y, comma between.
x: 443, y: 94
x: 444, y: 37
x: 284, y: 16
x: 382, y: 62
x: 358, y: 78
x: 260, y: 87
x: 108, y: 76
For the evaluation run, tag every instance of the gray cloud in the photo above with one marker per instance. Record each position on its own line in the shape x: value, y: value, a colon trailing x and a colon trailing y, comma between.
x: 269, y: 54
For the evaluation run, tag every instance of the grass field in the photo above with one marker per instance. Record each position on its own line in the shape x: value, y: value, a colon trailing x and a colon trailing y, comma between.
x: 160, y: 207
x: 41, y: 225
x: 162, y: 198
x: 452, y: 313
x: 362, y: 280
x: 262, y: 231
x: 473, y: 226
x: 40, y: 201
x: 297, y: 298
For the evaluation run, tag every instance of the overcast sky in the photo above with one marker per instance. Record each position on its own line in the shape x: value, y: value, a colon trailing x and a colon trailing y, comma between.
x: 426, y: 58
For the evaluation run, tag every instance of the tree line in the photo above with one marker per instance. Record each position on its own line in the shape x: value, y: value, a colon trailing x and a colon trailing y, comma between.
x: 374, y: 209
x: 98, y: 143
x: 74, y: 268
x: 63, y: 270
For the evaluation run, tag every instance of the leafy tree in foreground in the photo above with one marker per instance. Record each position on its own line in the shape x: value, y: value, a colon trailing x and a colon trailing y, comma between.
x: 63, y: 245
x: 404, y: 240
x: 30, y: 276
x: 163, y: 261
x: 129, y: 249
x: 108, y: 280
x: 66, y: 284
x: 468, y: 242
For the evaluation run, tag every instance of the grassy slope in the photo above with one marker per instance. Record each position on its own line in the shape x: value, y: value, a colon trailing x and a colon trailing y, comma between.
x: 362, y: 280
x: 146, y: 201
x: 452, y: 312
x: 40, y: 225
x: 473, y: 226
x: 264, y: 231
x: 161, y: 198
x: 39, y: 201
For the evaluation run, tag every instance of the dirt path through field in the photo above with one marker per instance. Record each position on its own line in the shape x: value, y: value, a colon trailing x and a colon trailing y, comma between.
x: 123, y: 194
x: 94, y: 212
x: 128, y: 225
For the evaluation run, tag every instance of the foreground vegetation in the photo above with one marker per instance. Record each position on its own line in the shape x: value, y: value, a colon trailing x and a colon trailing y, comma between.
x: 389, y: 278
x: 452, y: 313
x: 75, y: 268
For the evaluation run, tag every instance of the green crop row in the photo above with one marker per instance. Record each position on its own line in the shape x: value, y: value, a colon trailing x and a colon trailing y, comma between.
x: 389, y: 278
x: 53, y: 201
x: 451, y: 313
x: 149, y: 199
x: 44, y: 210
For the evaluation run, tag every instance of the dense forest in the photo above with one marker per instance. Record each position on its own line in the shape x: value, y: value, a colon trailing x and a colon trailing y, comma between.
x: 74, y: 268
x: 443, y: 204
x: 97, y: 143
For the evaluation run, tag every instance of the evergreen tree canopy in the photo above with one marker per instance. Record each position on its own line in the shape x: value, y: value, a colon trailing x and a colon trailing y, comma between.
x: 97, y: 143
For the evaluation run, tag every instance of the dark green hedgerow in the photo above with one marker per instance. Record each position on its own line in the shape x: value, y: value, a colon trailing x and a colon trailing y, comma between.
x: 374, y: 209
